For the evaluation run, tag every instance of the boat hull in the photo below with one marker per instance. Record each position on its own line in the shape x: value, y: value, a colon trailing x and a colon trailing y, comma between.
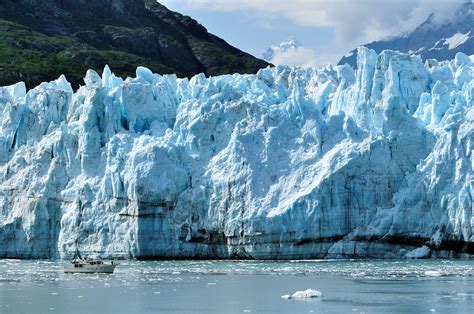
x: 91, y: 269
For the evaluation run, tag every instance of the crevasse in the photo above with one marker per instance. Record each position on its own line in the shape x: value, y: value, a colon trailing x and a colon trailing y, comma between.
x: 287, y: 163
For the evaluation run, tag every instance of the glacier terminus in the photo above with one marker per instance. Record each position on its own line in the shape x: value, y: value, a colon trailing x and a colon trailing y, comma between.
x: 289, y: 163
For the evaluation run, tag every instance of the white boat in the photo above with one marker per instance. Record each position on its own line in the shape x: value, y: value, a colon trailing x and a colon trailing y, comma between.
x: 88, y: 265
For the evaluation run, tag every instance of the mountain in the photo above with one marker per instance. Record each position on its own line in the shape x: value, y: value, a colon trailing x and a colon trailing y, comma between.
x: 287, y: 163
x: 42, y: 39
x: 432, y: 39
x: 285, y: 46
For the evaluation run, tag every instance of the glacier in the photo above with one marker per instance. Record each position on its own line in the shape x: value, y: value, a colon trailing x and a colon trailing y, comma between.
x: 288, y: 163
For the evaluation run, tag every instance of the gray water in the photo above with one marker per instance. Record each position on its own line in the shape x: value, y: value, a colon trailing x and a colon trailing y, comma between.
x: 240, y: 287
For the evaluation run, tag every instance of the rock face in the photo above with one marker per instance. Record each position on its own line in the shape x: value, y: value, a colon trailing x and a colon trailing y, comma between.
x: 287, y: 163
x: 42, y: 39
x: 432, y: 39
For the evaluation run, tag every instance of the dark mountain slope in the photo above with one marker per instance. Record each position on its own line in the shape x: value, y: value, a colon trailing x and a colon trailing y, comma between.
x: 41, y: 39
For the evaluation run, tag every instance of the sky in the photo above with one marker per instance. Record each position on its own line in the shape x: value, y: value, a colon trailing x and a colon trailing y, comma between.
x: 328, y: 29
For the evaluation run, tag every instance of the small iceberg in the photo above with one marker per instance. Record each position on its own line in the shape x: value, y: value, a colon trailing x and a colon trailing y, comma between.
x: 306, y: 294
x: 421, y: 252
x: 433, y: 273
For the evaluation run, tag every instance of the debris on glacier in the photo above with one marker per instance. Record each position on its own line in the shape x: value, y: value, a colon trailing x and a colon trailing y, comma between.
x: 289, y: 163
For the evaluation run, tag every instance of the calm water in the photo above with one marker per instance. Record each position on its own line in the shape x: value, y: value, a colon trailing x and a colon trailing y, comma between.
x: 240, y: 287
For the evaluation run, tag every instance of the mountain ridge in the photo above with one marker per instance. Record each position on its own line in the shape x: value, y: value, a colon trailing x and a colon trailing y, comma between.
x: 431, y: 39
x: 44, y: 39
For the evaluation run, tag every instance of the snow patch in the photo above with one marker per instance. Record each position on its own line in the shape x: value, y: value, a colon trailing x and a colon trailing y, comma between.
x: 456, y: 40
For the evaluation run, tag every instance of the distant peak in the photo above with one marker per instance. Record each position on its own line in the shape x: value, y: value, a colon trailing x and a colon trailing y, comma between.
x: 288, y: 44
x: 440, y: 36
x: 292, y: 42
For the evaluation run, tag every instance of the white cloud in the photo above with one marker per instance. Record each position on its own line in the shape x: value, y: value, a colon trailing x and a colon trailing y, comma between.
x: 300, y: 56
x: 353, y: 20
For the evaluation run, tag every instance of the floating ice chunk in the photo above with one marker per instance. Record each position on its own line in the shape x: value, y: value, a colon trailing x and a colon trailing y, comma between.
x: 306, y: 294
x: 420, y: 252
x: 433, y: 273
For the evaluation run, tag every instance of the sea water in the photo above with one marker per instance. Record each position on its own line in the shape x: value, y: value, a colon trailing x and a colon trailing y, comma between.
x: 40, y: 286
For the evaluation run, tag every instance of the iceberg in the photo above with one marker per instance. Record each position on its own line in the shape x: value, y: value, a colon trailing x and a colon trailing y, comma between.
x: 303, y: 295
x: 288, y: 163
x: 421, y: 252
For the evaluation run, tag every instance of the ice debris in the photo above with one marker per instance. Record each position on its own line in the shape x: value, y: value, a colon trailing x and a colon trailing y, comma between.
x: 421, y: 252
x: 433, y: 273
x: 306, y: 294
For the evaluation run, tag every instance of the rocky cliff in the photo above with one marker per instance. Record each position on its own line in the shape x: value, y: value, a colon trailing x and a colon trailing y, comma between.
x: 43, y: 39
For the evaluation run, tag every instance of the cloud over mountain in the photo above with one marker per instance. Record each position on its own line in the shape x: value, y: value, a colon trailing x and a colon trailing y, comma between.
x: 291, y: 52
x: 351, y: 20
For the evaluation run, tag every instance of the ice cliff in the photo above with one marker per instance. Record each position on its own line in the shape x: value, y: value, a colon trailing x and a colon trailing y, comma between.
x: 287, y: 163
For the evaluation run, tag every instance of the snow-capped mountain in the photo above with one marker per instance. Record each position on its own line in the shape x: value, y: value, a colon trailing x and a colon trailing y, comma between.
x: 285, y: 46
x: 291, y: 52
x: 287, y: 163
x: 432, y: 39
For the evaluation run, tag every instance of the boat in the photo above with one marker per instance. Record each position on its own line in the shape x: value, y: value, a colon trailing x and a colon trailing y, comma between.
x: 90, y: 265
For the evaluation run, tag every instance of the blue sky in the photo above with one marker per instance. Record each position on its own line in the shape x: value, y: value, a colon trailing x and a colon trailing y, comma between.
x: 328, y: 29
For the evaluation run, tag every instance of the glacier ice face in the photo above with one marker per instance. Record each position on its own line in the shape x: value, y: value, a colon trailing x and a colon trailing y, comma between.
x: 287, y: 163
